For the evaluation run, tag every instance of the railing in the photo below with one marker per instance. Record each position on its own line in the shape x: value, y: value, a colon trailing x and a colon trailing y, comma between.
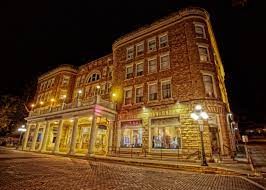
x: 75, y: 104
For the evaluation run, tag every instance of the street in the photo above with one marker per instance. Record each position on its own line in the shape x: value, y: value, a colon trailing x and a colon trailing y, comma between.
x: 24, y: 170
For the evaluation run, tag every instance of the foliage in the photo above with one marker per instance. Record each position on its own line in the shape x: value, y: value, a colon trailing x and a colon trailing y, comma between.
x: 12, y: 113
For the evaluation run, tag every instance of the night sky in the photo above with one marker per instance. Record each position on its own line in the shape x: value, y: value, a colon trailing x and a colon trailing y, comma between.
x: 36, y: 36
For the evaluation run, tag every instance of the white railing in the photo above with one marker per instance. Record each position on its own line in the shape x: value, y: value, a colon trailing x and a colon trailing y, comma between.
x: 75, y: 104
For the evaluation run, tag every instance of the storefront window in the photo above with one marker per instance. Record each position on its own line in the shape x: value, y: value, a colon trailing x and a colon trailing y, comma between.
x: 165, y: 136
x: 131, y: 134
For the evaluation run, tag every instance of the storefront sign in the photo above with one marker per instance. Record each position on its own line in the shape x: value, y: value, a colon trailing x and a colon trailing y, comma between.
x: 134, y: 123
x: 166, y: 121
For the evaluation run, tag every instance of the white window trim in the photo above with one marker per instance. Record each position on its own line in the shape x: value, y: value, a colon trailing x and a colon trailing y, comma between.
x: 213, y: 82
x: 149, y: 40
x: 171, y: 88
x: 208, y: 52
x: 159, y: 38
x: 124, y: 90
x: 150, y: 84
x: 150, y: 59
x: 131, y: 47
x: 135, y: 87
x: 136, y: 70
x: 129, y: 65
x: 203, y: 29
x: 162, y: 55
x: 137, y: 45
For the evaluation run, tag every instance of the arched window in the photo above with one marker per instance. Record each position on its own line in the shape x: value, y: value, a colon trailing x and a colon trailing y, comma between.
x: 94, y: 77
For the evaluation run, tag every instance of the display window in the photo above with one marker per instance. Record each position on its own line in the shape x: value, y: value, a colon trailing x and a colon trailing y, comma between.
x: 131, y: 134
x: 165, y: 136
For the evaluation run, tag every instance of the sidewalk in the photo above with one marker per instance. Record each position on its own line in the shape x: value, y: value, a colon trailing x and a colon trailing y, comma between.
x: 236, y: 169
x: 213, y: 168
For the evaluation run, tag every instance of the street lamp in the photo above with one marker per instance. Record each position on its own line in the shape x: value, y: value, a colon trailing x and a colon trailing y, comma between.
x: 199, y: 115
x: 22, y: 129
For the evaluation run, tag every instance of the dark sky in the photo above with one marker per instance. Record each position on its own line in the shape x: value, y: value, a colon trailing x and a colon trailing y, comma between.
x: 36, y: 36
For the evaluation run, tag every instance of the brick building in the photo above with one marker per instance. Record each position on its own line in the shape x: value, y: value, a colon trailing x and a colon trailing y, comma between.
x: 139, y: 98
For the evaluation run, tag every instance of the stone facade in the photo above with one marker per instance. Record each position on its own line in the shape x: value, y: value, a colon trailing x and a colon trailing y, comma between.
x: 140, y: 96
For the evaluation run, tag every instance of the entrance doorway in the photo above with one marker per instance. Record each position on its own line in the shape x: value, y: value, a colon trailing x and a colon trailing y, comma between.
x: 101, y: 144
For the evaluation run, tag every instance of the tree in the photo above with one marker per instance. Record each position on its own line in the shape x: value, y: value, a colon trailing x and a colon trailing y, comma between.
x: 12, y: 113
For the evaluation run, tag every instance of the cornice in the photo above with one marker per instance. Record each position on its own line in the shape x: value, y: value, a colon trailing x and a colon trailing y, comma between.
x: 175, y: 17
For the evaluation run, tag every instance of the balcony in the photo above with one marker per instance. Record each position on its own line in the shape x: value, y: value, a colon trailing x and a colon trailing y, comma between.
x: 75, y: 105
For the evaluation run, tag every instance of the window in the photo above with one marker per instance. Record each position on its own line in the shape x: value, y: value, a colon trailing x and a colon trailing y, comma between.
x: 163, y: 40
x: 200, y: 32
x: 130, y: 53
x: 152, y: 44
x: 52, y: 82
x: 140, y: 49
x: 131, y: 134
x: 139, y: 94
x: 129, y: 72
x: 139, y: 69
x: 65, y: 80
x: 128, y: 96
x: 204, y: 54
x: 208, y: 84
x: 94, y: 77
x: 166, y: 89
x: 164, y: 62
x: 152, y: 65
x: 82, y: 79
x: 153, y: 91
x: 165, y: 133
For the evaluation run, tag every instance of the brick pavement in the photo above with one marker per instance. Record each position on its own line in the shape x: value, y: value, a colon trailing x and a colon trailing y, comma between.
x: 20, y: 170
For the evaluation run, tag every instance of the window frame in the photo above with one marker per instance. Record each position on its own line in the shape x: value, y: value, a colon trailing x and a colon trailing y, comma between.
x: 128, y: 48
x: 169, y: 65
x: 138, y: 45
x: 127, y: 66
x: 136, y: 71
x: 151, y: 59
x: 124, y: 101
x: 202, y: 26
x: 148, y: 44
x: 207, y: 73
x: 171, y: 93
x: 205, y: 46
x: 135, y: 99
x: 151, y: 84
x: 160, y: 42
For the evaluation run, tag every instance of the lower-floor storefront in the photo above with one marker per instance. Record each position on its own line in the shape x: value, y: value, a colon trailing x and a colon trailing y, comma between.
x: 167, y: 130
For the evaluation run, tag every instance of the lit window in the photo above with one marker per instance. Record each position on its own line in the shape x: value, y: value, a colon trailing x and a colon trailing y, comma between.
x: 65, y: 80
x: 128, y: 96
x: 152, y: 44
x: 140, y: 69
x: 152, y: 65
x: 204, y: 54
x: 140, y: 49
x: 163, y: 40
x: 166, y: 89
x: 200, y: 32
x: 164, y: 62
x: 129, y: 72
x: 94, y: 77
x: 139, y: 94
x: 153, y: 91
x: 131, y: 134
x: 130, y: 53
x: 208, y: 84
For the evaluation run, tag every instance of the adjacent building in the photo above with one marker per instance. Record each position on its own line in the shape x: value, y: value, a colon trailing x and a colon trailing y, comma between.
x: 138, y: 99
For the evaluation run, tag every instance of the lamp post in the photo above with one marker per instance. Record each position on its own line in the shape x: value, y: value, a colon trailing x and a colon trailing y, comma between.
x: 199, y: 115
x: 22, y: 129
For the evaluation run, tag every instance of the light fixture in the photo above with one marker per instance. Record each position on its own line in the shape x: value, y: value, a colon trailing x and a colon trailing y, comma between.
x: 71, y: 120
x: 198, y: 107
x: 32, y: 105
x: 41, y: 102
x: 80, y: 91
x: 98, y: 87
x: 204, y: 115
x: 194, y: 116
x: 64, y: 96
x: 90, y: 118
x: 114, y: 94
x: 52, y: 100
